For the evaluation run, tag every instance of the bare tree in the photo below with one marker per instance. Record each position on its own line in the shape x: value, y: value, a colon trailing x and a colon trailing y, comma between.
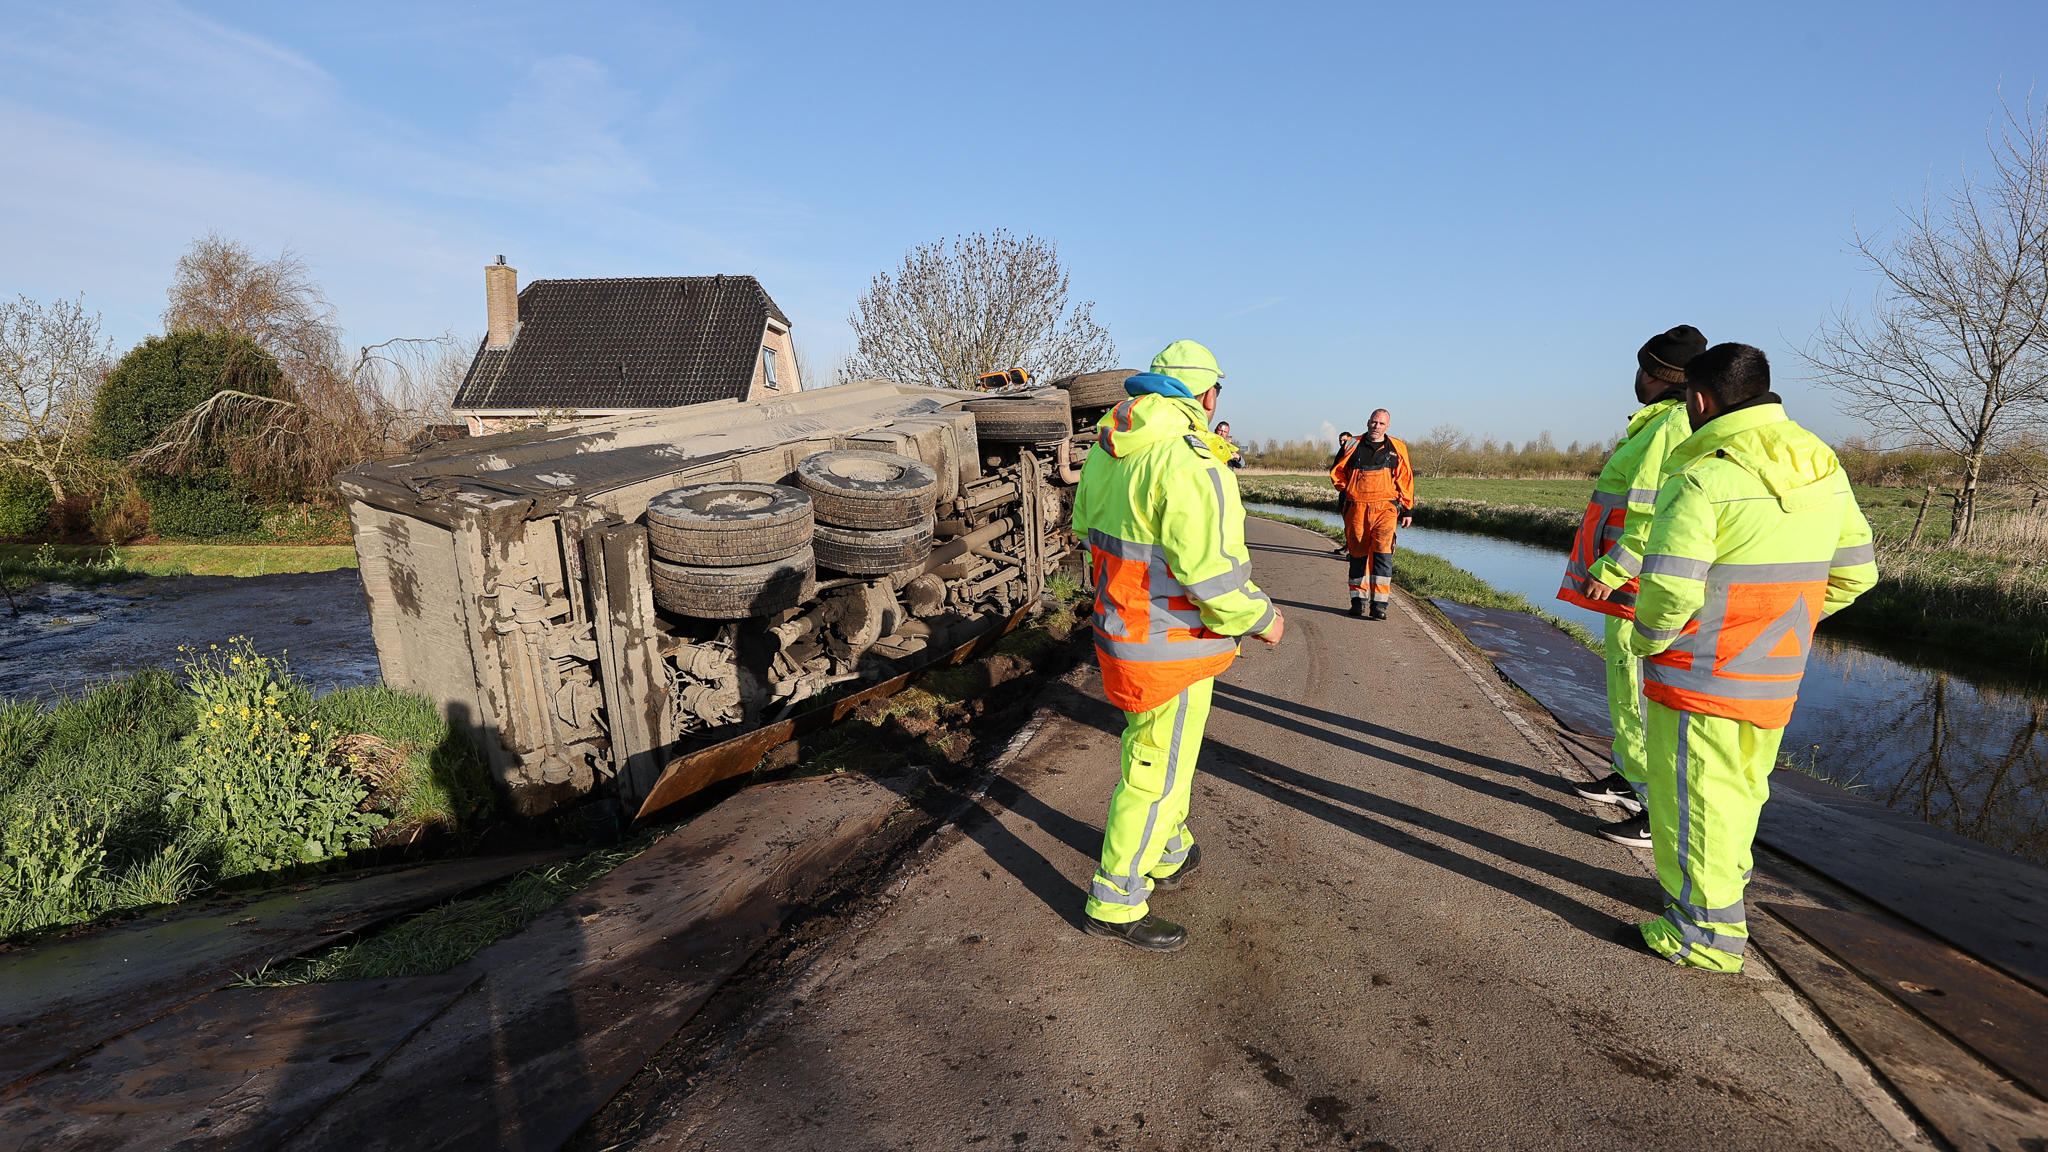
x: 1954, y: 352
x: 52, y: 358
x: 984, y: 303
x: 221, y: 286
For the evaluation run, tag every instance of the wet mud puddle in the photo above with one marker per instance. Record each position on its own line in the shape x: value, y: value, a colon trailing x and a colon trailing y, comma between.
x: 1958, y: 743
x: 66, y: 638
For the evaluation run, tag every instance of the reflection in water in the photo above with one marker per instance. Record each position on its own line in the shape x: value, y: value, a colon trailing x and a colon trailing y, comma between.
x: 1957, y: 744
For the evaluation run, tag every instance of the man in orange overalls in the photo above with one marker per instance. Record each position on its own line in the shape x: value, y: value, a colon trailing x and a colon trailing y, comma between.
x: 1377, y: 489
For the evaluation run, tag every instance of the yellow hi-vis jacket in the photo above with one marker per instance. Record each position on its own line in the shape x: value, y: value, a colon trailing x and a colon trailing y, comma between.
x: 1161, y: 515
x: 1756, y: 538
x: 1611, y: 538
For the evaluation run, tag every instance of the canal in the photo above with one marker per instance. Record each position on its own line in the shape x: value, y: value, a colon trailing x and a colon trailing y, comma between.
x: 1957, y: 743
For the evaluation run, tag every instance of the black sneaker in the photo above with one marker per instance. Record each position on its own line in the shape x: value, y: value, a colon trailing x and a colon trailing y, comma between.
x: 1358, y: 608
x: 1150, y: 934
x: 1170, y: 883
x: 1634, y: 831
x: 1612, y: 788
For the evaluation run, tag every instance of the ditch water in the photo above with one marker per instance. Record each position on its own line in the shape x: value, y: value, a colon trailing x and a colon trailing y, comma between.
x: 1957, y: 743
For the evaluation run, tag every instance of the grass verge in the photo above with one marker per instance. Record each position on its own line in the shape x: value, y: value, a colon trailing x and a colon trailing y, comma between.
x: 1430, y: 576
x: 108, y: 563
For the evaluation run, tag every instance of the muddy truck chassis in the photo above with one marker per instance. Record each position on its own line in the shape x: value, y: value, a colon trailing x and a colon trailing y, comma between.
x: 598, y: 602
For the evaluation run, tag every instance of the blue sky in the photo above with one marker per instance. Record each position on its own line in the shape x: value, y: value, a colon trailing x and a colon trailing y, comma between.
x: 1468, y: 214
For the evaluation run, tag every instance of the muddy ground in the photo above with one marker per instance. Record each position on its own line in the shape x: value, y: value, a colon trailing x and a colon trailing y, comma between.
x: 64, y: 638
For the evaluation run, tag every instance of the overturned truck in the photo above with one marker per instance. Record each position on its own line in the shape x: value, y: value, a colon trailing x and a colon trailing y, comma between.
x: 596, y: 601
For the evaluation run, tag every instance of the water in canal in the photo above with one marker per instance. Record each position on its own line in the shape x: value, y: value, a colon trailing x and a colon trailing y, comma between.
x: 1960, y: 744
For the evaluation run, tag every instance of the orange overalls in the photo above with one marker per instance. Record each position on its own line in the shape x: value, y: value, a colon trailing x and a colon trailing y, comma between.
x: 1378, y: 489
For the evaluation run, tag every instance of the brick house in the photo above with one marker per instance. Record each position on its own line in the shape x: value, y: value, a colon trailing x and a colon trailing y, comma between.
x: 618, y: 345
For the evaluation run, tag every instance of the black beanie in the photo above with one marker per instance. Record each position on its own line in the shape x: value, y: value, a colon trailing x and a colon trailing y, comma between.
x: 1665, y: 355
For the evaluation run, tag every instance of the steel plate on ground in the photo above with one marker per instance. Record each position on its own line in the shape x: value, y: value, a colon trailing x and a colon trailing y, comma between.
x: 573, y: 1004
x: 2002, y: 1019
x: 236, y: 1069
x: 1567, y: 679
x: 68, y: 993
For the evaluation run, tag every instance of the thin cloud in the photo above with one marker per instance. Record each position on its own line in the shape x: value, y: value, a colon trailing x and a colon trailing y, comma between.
x: 1255, y: 307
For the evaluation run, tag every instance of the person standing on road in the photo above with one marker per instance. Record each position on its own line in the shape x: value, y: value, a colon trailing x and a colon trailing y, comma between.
x: 1607, y: 555
x: 1236, y: 453
x: 1756, y: 538
x: 1376, y: 487
x: 1173, y: 598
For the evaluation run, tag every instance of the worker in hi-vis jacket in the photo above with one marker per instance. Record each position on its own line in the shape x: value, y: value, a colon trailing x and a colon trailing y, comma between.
x: 1376, y: 489
x: 1756, y: 538
x: 1160, y: 512
x: 1607, y: 554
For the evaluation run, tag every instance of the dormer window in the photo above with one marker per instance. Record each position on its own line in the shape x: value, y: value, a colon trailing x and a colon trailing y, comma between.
x: 768, y: 366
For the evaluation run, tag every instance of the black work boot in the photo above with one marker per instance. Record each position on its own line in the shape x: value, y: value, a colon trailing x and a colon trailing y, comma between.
x: 1150, y: 934
x: 1358, y: 608
x: 1170, y: 883
x: 1379, y: 610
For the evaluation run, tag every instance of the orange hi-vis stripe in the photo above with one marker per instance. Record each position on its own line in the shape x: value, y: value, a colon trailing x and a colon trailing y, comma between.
x: 1598, y: 533
x: 1149, y: 635
x: 1742, y: 654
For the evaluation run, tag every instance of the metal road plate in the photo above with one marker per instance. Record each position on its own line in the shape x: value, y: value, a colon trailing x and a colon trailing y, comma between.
x: 68, y: 993
x: 1567, y: 679
x: 240, y: 1068
x: 2002, y: 1019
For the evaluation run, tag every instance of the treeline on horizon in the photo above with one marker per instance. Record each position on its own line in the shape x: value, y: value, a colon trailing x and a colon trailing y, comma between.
x: 1449, y: 452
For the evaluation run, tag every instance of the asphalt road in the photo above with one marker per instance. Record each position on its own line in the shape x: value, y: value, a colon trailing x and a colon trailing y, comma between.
x: 1400, y: 940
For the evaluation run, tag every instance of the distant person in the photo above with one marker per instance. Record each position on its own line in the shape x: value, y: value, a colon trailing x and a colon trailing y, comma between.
x: 1173, y: 599
x: 1376, y: 487
x: 1607, y: 554
x: 1344, y: 440
x: 1236, y: 453
x: 1756, y: 538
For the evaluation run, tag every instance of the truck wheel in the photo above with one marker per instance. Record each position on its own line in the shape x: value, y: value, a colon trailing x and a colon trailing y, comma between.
x: 871, y: 553
x: 734, y: 593
x: 1034, y: 421
x: 870, y: 490
x: 728, y: 524
x: 1096, y: 389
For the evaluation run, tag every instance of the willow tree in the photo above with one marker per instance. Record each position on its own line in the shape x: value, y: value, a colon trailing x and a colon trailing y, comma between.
x: 983, y: 303
x: 1953, y: 352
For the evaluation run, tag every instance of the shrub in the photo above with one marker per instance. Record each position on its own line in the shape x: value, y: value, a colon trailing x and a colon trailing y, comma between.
x: 202, y: 506
x: 257, y: 777
x: 120, y: 514
x: 24, y: 503
x: 164, y: 377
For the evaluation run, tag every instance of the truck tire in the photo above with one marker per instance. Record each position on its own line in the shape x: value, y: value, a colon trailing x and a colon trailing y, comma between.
x: 861, y: 553
x: 728, y: 524
x: 871, y: 490
x: 1034, y: 421
x: 1096, y: 389
x: 734, y: 593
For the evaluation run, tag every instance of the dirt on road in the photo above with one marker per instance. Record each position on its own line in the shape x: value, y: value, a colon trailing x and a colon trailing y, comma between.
x: 1400, y: 939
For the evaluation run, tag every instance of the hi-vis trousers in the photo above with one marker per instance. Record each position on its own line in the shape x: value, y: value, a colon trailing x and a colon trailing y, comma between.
x: 1709, y: 778
x: 1146, y: 834
x: 1369, y: 537
x: 1625, y: 703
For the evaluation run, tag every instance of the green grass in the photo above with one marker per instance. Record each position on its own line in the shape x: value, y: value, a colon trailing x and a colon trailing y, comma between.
x: 107, y: 563
x: 1429, y: 576
x: 440, y: 938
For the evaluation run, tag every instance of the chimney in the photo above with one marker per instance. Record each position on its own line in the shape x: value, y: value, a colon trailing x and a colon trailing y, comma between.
x: 501, y: 302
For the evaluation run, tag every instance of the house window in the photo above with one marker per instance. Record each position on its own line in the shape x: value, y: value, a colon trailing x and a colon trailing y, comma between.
x: 768, y: 365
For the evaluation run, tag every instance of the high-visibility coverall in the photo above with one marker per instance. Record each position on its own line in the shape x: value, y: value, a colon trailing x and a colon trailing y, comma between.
x: 1609, y: 548
x: 1173, y: 593
x: 1377, y: 488
x: 1756, y: 538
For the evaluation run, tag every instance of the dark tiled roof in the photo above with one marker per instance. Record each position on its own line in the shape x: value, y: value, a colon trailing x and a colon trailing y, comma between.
x: 645, y: 342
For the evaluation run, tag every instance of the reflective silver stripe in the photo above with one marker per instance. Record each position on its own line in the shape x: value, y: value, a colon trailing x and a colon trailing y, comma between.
x: 1223, y: 585
x: 1162, y: 651
x: 1121, y: 549
x: 1642, y: 495
x: 1693, y: 680
x: 1684, y: 821
x: 1665, y: 564
x: 1625, y: 560
x: 1695, y: 936
x: 1611, y: 499
x: 1660, y: 633
x: 1802, y: 572
x: 1854, y: 555
x: 1105, y: 890
x: 1177, y: 848
x: 1701, y: 914
x: 1613, y: 532
x: 1266, y: 620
